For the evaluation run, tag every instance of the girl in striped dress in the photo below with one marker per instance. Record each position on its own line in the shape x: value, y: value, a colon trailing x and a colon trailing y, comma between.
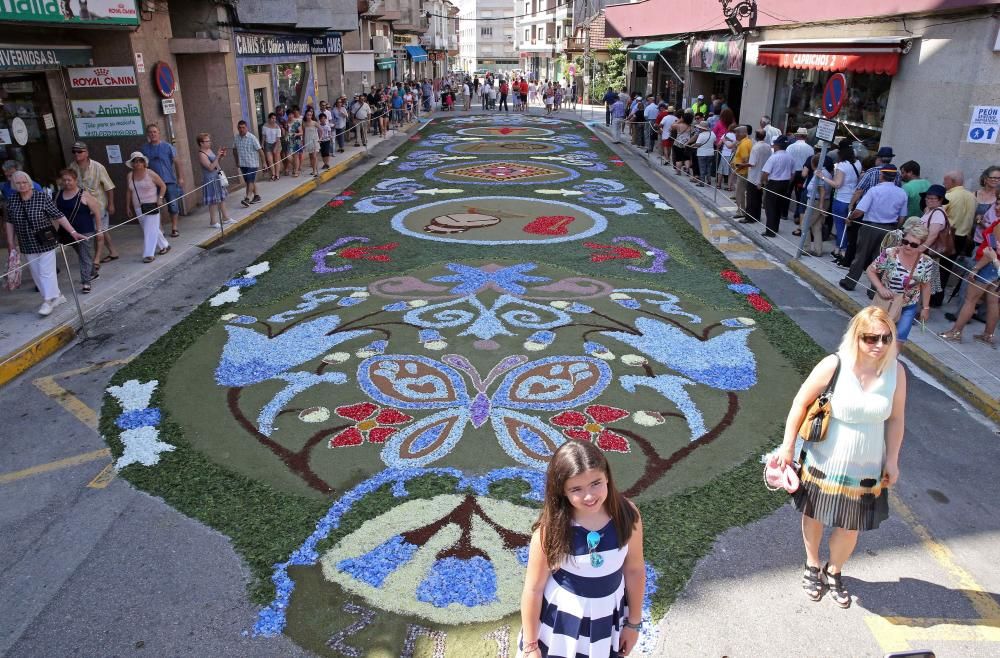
x: 845, y: 478
x: 586, y: 578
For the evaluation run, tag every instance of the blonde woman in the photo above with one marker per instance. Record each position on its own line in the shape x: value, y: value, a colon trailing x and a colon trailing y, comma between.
x: 845, y: 479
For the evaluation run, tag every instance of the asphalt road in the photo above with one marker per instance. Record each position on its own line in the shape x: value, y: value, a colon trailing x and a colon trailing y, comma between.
x: 87, y: 570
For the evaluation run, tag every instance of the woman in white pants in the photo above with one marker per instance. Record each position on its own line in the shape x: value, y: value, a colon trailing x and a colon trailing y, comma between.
x: 146, y: 192
x: 31, y: 220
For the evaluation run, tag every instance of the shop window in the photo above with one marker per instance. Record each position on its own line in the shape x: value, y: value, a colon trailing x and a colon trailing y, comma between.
x: 291, y: 80
x: 798, y: 99
x: 25, y: 102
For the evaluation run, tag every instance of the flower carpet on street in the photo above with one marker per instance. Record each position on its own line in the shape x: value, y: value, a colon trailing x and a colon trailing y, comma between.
x: 368, y: 410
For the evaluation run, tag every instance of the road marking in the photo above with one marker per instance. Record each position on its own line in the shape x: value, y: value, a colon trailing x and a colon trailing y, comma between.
x: 709, y: 232
x: 66, y: 399
x: 901, y: 633
x: 48, y: 467
x: 104, y: 478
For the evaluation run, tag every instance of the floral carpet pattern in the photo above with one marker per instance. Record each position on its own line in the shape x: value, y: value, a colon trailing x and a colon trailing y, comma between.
x: 369, y: 410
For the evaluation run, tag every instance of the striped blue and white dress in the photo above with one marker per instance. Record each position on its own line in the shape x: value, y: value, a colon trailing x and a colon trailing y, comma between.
x: 583, y: 607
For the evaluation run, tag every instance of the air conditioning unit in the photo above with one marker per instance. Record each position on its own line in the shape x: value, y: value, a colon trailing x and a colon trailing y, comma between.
x: 381, y: 45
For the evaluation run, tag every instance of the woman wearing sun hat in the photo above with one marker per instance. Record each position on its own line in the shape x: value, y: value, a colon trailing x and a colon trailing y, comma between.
x: 935, y: 219
x: 146, y: 192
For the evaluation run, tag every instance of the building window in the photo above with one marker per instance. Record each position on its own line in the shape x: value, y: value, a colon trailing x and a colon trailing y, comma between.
x: 558, y: 31
x: 527, y: 34
x: 798, y: 99
x: 486, y: 31
x: 527, y: 7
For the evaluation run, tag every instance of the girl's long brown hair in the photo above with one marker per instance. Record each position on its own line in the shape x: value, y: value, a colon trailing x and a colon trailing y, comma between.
x: 569, y: 460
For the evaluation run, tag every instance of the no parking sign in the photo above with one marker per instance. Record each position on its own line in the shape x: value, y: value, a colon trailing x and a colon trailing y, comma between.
x: 984, y: 125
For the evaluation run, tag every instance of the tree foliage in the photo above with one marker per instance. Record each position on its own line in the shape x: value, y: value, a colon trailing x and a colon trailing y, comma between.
x: 610, y: 73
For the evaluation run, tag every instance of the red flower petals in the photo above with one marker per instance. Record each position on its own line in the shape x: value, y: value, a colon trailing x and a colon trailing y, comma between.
x: 732, y: 276
x: 604, y: 414
x: 759, y: 303
x: 358, y: 411
x: 392, y: 417
x: 569, y: 419
x: 365, y: 252
x: 380, y: 434
x: 579, y: 435
x: 611, y: 442
x: 352, y: 436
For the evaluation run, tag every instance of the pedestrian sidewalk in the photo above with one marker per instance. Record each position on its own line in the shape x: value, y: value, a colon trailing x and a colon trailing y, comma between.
x: 968, y: 369
x: 27, y: 338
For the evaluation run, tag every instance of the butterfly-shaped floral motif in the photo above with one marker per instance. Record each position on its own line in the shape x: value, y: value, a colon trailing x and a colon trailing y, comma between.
x: 417, y: 382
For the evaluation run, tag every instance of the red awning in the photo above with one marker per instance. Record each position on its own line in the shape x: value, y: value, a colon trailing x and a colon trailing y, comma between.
x: 862, y: 61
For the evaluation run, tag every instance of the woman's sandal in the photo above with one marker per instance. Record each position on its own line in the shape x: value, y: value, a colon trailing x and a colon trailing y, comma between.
x: 838, y: 592
x: 953, y: 336
x: 175, y: 234
x: 797, y: 232
x: 85, y: 288
x: 986, y: 339
x: 812, y: 583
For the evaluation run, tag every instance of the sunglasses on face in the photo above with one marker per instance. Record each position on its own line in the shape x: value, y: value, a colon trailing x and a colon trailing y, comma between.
x: 872, y: 339
x: 907, y: 243
x: 593, y: 539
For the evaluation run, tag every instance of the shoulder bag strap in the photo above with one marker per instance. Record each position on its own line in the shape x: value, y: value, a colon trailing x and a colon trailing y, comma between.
x: 828, y: 392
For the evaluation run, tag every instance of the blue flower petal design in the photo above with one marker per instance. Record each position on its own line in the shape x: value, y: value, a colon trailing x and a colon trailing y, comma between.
x: 377, y: 564
x: 250, y: 357
x: 450, y: 580
x: 242, y: 282
x: 244, y: 319
x: 744, y: 288
x: 724, y: 362
x: 505, y: 279
x: 130, y: 420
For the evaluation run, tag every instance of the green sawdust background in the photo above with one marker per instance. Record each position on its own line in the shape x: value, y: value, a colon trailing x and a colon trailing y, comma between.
x: 267, y: 522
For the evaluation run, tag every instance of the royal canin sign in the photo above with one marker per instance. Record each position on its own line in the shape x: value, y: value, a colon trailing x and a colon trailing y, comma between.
x: 102, y: 76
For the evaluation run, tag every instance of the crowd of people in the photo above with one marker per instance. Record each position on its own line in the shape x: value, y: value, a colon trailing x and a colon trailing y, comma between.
x: 903, y: 236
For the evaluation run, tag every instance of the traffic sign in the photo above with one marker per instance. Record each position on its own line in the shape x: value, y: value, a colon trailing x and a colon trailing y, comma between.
x: 825, y: 130
x: 834, y: 95
x: 169, y: 105
x: 163, y: 76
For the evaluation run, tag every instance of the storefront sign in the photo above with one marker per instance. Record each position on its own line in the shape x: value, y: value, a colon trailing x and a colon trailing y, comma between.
x: 271, y: 45
x: 27, y: 58
x: 825, y: 130
x: 117, y: 117
x: 717, y: 55
x: 331, y: 44
x: 102, y: 76
x: 72, y: 12
x: 169, y: 105
x: 114, y: 153
x: 19, y: 130
x: 985, y: 124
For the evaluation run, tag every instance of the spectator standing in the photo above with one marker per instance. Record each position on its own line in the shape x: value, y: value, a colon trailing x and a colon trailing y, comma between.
x: 504, y: 91
x: 618, y: 116
x: 962, y: 209
x: 759, y: 155
x: 741, y: 168
x: 844, y: 180
x: 11, y: 167
x: 883, y: 208
x: 467, y: 95
x: 310, y: 133
x: 325, y: 140
x: 82, y: 210
x: 704, y: 148
x: 776, y: 177
x: 361, y: 114
x: 610, y: 96
x: 340, y: 118
x: 983, y: 280
x: 29, y: 212
x: 272, y: 145
x: 700, y: 106
x: 248, y: 155
x: 905, y: 271
x: 162, y: 159
x: 94, y: 178
x: 649, y: 115
x: 801, y: 152
x: 724, y: 171
x: 295, y: 135
x: 771, y: 133
x: 986, y: 196
x: 913, y: 185
x: 212, y: 188
x: 146, y: 193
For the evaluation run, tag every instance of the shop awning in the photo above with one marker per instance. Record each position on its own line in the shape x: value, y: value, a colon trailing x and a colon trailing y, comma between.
x: 384, y: 63
x: 650, y: 52
x: 880, y: 55
x: 416, y: 53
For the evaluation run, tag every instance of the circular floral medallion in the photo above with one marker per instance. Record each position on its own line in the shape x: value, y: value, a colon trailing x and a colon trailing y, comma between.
x: 505, y: 131
x: 503, y: 147
x: 501, y: 172
x: 499, y: 220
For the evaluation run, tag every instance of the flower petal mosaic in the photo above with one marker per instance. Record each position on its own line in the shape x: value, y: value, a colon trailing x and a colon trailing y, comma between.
x: 385, y: 390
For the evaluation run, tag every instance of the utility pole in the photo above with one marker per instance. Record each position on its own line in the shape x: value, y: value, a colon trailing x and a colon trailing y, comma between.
x: 587, y: 69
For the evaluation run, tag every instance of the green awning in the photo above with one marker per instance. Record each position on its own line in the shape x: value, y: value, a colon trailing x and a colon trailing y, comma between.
x: 385, y: 63
x: 650, y: 52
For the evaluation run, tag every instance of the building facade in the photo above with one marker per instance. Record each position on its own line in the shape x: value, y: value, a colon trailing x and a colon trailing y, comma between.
x: 916, y: 81
x: 542, y: 30
x: 486, y: 36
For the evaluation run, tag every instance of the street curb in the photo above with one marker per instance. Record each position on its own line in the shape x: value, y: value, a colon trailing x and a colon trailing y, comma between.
x: 34, y: 352
x: 959, y: 385
x: 37, y: 350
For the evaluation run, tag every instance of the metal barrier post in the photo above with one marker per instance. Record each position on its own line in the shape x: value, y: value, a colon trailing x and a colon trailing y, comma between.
x: 72, y: 287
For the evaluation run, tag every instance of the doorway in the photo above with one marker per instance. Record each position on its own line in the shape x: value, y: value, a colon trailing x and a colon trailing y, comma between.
x: 262, y: 98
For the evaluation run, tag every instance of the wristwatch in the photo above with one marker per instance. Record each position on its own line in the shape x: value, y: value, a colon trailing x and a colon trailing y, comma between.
x: 634, y: 627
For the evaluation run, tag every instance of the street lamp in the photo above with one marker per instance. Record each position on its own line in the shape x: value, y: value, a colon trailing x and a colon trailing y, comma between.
x: 734, y: 11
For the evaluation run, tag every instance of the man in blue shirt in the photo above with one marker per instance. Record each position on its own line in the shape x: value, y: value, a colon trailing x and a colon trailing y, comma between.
x: 10, y: 167
x: 163, y: 160
x: 883, y: 208
x: 609, y: 99
x: 618, y: 116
